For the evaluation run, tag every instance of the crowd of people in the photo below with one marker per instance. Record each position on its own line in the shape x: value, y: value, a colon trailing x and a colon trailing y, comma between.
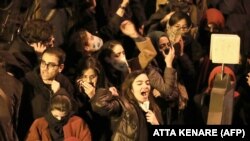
x: 88, y: 70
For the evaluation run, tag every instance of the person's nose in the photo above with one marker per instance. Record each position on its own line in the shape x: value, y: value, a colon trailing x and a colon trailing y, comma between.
x: 89, y: 79
x: 145, y: 85
x: 46, y: 66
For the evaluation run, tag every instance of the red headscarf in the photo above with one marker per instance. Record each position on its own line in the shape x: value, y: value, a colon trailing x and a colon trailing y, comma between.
x: 214, y: 16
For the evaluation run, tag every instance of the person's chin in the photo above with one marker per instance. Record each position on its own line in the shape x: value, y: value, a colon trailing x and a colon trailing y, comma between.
x: 46, y: 79
x: 144, y: 99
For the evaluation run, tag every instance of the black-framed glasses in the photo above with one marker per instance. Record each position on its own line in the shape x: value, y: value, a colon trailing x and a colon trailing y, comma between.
x: 49, y: 65
x: 184, y: 28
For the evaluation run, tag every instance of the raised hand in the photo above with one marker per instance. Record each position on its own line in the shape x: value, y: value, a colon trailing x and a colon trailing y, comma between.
x: 38, y: 47
x: 88, y: 88
x: 151, y: 118
x: 55, y: 86
x: 169, y: 57
x: 167, y: 17
x: 114, y: 91
x: 125, y: 3
x: 128, y: 28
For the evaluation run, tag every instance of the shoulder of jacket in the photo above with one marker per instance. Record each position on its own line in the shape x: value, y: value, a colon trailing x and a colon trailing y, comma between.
x: 41, y: 122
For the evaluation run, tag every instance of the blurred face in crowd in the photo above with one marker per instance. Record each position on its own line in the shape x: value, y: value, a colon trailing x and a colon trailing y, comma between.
x: 180, y: 27
x: 49, y: 67
x: 90, y: 76
x: 212, y: 28
x: 141, y: 88
x: 93, y: 43
x: 176, y: 31
x: 118, y: 58
x: 59, y: 115
x: 51, y: 42
x: 164, y: 44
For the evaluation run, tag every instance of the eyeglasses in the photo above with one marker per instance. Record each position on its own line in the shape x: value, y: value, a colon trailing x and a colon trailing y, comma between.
x: 184, y: 28
x: 49, y: 65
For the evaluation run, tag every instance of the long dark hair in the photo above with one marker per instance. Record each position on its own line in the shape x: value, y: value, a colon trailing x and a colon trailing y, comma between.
x: 107, y: 51
x: 177, y: 16
x: 92, y: 63
x: 127, y: 84
x: 114, y: 76
x: 127, y: 93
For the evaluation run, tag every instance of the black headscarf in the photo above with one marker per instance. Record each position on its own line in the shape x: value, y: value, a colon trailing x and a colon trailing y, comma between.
x: 155, y: 36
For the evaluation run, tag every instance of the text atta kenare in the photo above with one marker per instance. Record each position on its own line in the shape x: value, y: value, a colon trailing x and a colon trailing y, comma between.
x: 185, y: 132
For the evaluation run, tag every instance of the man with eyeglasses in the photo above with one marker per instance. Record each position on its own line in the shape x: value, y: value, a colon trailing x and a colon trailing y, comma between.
x: 39, y: 85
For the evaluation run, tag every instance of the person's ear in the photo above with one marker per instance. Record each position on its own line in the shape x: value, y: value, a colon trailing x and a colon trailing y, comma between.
x: 61, y: 67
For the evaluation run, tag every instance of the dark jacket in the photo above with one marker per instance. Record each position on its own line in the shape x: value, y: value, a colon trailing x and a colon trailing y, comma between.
x: 93, y: 119
x: 107, y: 8
x: 11, y: 91
x: 24, y: 54
x: 36, y: 98
x: 128, y: 119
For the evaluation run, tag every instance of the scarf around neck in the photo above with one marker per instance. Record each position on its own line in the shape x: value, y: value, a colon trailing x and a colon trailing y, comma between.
x: 56, y: 126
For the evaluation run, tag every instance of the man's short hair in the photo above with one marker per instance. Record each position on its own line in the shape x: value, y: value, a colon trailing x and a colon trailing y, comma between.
x: 58, y: 52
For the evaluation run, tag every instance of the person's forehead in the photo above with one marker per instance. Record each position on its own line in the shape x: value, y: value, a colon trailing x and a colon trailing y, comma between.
x: 142, y: 76
x: 50, y: 58
x: 163, y: 39
x: 181, y: 22
x: 117, y: 48
x: 88, y: 71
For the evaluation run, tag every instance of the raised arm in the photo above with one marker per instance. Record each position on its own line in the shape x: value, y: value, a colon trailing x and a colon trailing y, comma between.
x: 144, y: 44
x: 105, y: 104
